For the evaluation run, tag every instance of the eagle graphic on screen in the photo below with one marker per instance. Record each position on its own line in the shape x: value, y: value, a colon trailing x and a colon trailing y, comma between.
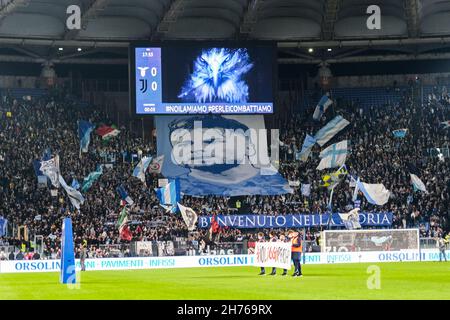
x: 218, y: 77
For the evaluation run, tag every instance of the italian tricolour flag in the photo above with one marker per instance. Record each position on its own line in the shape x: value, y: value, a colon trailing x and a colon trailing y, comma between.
x: 107, y: 132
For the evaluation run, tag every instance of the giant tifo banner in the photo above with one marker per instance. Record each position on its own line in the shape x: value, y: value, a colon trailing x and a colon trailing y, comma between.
x: 218, y: 155
x: 273, y: 254
x: 247, y: 221
x: 26, y: 266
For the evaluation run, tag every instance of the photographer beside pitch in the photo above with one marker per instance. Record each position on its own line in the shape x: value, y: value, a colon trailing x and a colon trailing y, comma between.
x: 296, y: 250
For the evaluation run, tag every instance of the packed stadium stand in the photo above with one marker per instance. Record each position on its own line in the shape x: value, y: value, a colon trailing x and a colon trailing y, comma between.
x: 30, y: 127
x: 39, y: 116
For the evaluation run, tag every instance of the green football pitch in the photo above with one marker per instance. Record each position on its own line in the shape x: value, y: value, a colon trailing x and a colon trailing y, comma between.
x: 412, y: 280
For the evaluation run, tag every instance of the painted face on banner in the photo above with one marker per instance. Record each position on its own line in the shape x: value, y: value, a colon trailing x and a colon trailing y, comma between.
x: 212, y: 145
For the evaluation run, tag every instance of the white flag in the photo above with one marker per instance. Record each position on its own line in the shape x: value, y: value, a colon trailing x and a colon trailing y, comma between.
x: 351, y: 219
x: 76, y: 198
x: 189, y: 216
x: 139, y: 171
x: 334, y: 156
x: 156, y: 165
x: 374, y: 193
x: 417, y: 183
x: 50, y: 168
x: 306, y: 189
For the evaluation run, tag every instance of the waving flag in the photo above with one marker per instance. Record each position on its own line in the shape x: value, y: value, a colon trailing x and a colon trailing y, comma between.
x: 50, y: 168
x: 351, y: 219
x: 354, y: 182
x: 84, y: 134
x: 139, y: 171
x: 321, y: 107
x: 306, y: 189
x: 122, y: 225
x: 415, y: 180
x: 169, y: 195
x: 75, y: 184
x: 446, y: 124
x: 333, y: 156
x: 330, y: 130
x: 124, y: 195
x: 400, y: 133
x: 123, y: 219
x: 417, y: 183
x: 107, y: 132
x: 3, y: 226
x: 374, y: 193
x: 333, y: 179
x: 189, y: 216
x: 75, y: 197
x: 308, y: 144
x: 89, y: 180
x: 156, y: 165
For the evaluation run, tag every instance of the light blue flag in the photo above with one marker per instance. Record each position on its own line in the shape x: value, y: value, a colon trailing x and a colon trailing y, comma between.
x: 3, y: 226
x: 334, y: 156
x: 141, y: 168
x: 169, y: 195
x: 75, y: 184
x: 400, y: 133
x: 321, y: 107
x: 89, y: 180
x: 330, y: 130
x: 75, y: 197
x: 308, y: 144
x: 84, y: 134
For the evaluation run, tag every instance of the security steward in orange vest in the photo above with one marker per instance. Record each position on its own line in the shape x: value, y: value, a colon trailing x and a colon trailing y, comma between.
x: 296, y: 249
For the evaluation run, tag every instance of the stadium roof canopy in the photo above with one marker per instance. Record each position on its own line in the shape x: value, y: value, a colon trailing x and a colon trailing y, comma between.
x: 294, y: 23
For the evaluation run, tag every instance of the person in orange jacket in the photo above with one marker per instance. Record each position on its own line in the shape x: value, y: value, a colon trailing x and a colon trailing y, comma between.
x: 296, y: 250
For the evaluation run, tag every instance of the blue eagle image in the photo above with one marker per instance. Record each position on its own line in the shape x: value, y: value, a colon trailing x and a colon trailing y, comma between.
x: 218, y: 77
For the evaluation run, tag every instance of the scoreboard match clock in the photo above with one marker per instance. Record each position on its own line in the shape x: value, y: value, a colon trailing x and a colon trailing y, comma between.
x: 202, y: 78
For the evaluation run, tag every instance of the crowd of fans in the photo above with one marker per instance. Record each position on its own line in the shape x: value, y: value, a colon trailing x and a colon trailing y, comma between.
x: 29, y: 128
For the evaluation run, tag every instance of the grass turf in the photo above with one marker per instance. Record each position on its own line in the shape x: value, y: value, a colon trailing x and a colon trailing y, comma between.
x: 412, y: 280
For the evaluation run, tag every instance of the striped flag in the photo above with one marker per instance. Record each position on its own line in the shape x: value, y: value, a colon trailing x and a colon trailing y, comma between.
x: 169, y: 195
x: 321, y: 107
x: 75, y: 197
x: 139, y: 171
x: 330, y: 130
x: 107, y: 132
x: 308, y: 144
x: 124, y: 195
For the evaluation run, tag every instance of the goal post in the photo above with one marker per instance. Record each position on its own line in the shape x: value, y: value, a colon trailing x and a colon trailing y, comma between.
x: 370, y: 240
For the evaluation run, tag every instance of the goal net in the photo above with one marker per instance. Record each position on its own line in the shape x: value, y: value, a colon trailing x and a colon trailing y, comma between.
x: 370, y: 240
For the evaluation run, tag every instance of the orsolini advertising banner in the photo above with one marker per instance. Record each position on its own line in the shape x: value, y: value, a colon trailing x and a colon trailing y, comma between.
x: 273, y: 254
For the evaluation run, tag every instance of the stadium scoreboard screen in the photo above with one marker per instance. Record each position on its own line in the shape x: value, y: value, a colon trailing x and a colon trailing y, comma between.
x: 202, y: 77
